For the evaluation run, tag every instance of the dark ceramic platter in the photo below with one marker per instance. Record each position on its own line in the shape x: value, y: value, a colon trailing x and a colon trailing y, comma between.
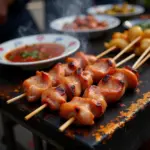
x: 111, y: 131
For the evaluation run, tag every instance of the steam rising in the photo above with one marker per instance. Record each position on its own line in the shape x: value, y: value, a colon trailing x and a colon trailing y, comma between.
x: 72, y: 7
x: 63, y: 8
x: 77, y: 7
x: 27, y: 29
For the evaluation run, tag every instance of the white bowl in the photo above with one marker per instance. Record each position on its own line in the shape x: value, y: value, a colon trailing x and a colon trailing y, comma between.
x: 71, y: 45
x: 58, y: 24
x: 138, y: 10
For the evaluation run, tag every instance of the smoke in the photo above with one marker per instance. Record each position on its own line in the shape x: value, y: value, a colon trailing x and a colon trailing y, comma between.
x: 72, y: 7
x: 27, y: 29
x: 60, y: 8
x: 63, y: 8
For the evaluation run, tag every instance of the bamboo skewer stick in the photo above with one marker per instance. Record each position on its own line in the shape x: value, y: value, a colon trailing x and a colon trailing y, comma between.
x: 35, y: 111
x: 106, y: 52
x: 136, y: 65
x: 66, y: 124
x: 16, y: 98
x: 29, y: 116
x: 125, y: 60
x: 141, y: 57
x: 143, y: 61
x: 127, y: 48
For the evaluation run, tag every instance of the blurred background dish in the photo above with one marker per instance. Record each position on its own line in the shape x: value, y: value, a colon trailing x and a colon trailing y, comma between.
x: 37, y: 51
x: 145, y: 16
x: 144, y: 23
x: 90, y: 26
x: 118, y: 10
x: 123, y: 39
x: 88, y: 22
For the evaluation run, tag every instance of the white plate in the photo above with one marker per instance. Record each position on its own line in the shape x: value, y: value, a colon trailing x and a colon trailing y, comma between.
x: 138, y: 10
x: 130, y: 23
x: 71, y: 45
x: 59, y: 23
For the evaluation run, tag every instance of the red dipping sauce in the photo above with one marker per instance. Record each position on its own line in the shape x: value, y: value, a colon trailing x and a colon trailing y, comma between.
x: 35, y: 52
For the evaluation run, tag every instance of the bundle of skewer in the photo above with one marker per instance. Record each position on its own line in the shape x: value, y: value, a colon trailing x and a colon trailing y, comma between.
x: 54, y: 97
x: 79, y: 61
x: 110, y: 89
x: 67, y: 81
x: 121, y: 40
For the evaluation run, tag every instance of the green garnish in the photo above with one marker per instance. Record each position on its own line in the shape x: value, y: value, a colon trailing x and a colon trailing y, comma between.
x: 11, y: 57
x: 33, y: 54
x: 145, y: 25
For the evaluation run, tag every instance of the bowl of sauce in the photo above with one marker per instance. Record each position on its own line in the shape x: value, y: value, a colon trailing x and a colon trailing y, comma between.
x: 38, y: 51
x: 35, y: 52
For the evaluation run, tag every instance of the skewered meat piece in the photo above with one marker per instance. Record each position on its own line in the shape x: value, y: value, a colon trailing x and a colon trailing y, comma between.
x: 111, y: 88
x: 119, y: 74
x: 80, y: 60
x: 128, y: 76
x: 101, y: 68
x: 146, y: 33
x: 123, y: 35
x: 143, y: 45
x: 118, y: 42
x: 56, y: 72
x: 92, y: 59
x: 84, y: 77
x: 73, y: 64
x: 93, y: 92
x: 34, y: 86
x: 72, y: 86
x: 83, y: 109
x: 54, y: 97
x: 134, y: 32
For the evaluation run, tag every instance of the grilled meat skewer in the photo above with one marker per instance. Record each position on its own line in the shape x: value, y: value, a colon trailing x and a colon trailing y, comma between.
x: 109, y: 90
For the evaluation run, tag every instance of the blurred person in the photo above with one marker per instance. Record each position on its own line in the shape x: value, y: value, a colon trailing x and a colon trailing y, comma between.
x: 15, y: 20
